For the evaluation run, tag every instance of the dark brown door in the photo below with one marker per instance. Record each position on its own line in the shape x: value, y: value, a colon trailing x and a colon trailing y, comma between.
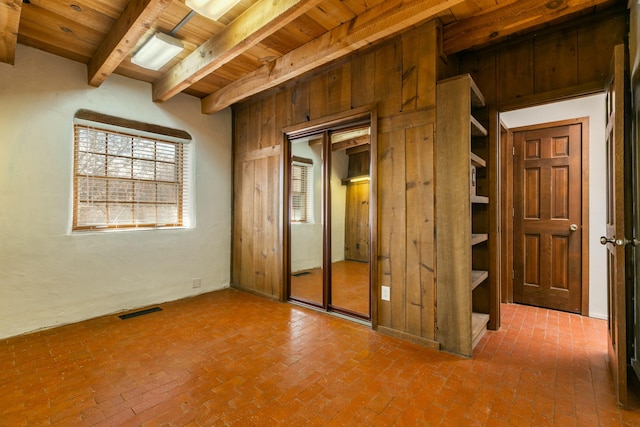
x: 615, y: 238
x: 547, y: 216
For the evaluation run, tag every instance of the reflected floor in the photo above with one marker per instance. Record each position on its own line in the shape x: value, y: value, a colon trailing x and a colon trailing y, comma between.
x: 350, y: 286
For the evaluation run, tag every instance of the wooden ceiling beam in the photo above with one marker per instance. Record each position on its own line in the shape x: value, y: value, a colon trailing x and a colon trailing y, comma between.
x: 257, y: 23
x: 9, y: 22
x: 503, y: 20
x: 135, y: 21
x: 375, y: 24
x: 351, y: 143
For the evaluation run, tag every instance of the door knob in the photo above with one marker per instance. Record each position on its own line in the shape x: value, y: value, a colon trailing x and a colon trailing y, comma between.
x: 573, y: 227
x: 618, y: 242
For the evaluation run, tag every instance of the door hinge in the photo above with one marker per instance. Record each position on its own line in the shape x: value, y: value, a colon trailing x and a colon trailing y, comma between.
x: 513, y: 151
x: 513, y: 212
x: 513, y: 274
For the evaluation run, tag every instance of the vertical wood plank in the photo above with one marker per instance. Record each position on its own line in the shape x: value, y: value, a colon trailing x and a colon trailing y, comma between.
x: 410, y: 70
x: 260, y: 201
x: 362, y: 69
x: 388, y: 78
x: 515, y: 72
x: 339, y: 89
x: 385, y: 158
x: 318, y: 102
x: 300, y: 104
x: 236, y: 237
x: 274, y: 240
x: 392, y: 208
x: 428, y: 66
x: 420, y: 232
x: 596, y: 42
x: 268, y: 122
x: 283, y: 113
x: 246, y: 240
x: 253, y: 126
x: 555, y: 61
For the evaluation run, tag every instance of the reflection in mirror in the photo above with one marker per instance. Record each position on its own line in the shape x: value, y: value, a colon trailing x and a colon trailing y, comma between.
x: 350, y: 159
x: 306, y: 220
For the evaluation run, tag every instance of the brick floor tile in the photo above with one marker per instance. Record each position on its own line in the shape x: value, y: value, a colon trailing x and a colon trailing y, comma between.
x: 230, y: 358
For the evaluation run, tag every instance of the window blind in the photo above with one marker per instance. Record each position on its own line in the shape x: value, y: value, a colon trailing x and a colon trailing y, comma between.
x: 301, y: 192
x: 128, y: 180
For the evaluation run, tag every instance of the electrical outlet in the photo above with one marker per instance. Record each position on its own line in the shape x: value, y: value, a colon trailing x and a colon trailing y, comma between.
x: 386, y: 293
x: 197, y: 283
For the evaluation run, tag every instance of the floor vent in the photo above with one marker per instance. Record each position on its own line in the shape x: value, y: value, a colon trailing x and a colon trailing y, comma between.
x: 302, y: 273
x: 139, y: 313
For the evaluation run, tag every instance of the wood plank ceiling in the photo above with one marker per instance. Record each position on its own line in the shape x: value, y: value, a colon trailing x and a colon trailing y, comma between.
x: 258, y: 44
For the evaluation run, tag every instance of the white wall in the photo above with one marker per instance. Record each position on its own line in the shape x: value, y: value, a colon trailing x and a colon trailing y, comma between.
x: 49, y: 276
x: 592, y: 107
x: 306, y: 238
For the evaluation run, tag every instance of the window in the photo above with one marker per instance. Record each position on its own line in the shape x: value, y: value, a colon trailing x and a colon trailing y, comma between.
x: 126, y: 178
x: 302, y: 190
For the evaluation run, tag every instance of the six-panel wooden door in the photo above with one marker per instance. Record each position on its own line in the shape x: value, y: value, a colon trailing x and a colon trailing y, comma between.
x: 547, y: 216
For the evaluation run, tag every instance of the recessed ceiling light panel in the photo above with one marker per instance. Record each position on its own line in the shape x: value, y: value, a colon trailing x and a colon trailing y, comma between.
x: 157, y: 51
x: 212, y: 9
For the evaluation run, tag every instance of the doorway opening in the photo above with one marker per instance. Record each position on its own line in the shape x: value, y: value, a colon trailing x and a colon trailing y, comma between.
x: 330, y: 225
x: 525, y: 173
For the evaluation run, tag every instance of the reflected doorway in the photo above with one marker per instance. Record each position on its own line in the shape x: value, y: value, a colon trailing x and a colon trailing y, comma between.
x: 329, y: 219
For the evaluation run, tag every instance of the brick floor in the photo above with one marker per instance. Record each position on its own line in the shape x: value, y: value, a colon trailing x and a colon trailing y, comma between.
x: 230, y: 358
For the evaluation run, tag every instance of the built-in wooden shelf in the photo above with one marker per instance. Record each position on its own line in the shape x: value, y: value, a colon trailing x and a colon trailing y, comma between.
x: 479, y: 323
x: 482, y: 200
x: 477, y: 99
x: 464, y: 160
x: 477, y: 277
x: 478, y: 161
x: 476, y: 128
x: 478, y: 238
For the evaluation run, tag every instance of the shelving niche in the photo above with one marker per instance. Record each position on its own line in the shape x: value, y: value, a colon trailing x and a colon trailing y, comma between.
x: 464, y: 277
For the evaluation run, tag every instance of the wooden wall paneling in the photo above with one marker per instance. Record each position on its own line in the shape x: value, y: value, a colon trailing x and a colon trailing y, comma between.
x: 300, y: 102
x: 554, y: 64
x: 359, y: 162
x: 420, y: 276
x: 253, y: 126
x: 284, y: 112
x: 318, y: 96
x: 484, y: 70
x: 419, y: 67
x: 555, y: 60
x: 247, y: 222
x: 394, y: 195
x: 236, y: 233
x: 429, y: 63
x: 410, y: 70
x: 273, y: 240
x: 515, y: 68
x: 596, y: 42
x: 357, y: 222
x: 385, y: 223
x: 339, y: 88
x: 260, y: 210
x: 240, y: 141
x: 362, y: 91
x: 388, y: 78
x: 268, y: 122
x: 372, y: 77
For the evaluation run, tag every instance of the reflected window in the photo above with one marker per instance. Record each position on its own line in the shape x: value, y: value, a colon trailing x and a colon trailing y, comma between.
x: 302, y: 190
